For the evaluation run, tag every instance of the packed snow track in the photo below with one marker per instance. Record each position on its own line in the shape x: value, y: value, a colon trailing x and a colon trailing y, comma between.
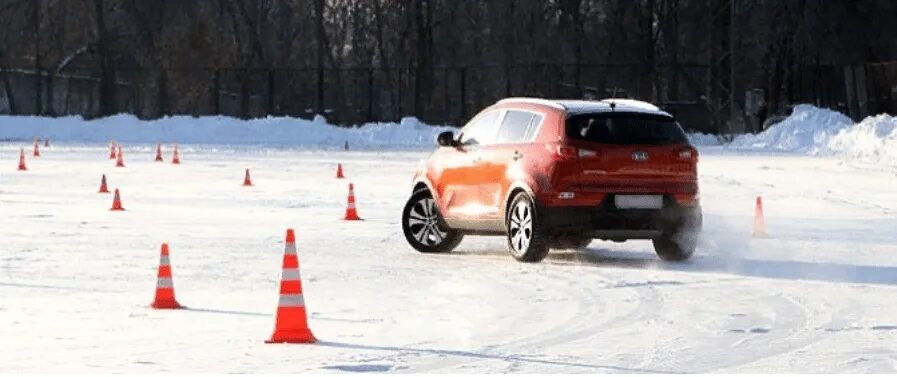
x: 76, y: 280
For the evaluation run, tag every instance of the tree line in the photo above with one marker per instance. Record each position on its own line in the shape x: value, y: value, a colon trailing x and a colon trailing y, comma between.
x: 441, y: 60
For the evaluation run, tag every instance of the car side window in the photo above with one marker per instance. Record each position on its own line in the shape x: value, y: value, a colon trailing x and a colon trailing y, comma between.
x: 481, y: 131
x: 534, y: 127
x: 514, y: 127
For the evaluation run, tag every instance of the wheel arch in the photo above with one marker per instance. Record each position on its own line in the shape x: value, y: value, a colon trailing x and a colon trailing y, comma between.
x: 513, y: 190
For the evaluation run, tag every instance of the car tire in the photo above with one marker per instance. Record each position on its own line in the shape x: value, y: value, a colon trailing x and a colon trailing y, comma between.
x: 676, y: 246
x: 571, y: 243
x: 423, y: 225
x: 527, y: 242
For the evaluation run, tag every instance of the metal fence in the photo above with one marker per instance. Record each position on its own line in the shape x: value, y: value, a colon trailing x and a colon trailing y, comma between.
x: 441, y: 95
x: 857, y: 90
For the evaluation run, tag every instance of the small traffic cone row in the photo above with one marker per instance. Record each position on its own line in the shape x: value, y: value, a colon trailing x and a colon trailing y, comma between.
x: 120, y: 158
x: 22, y: 166
x: 36, y: 148
x: 176, y: 158
x: 291, y: 323
x: 116, y: 202
x: 112, y: 154
x: 351, y: 212
x: 339, y: 171
x: 159, y: 153
x: 103, y: 188
x: 164, y: 284
x: 247, y: 181
x: 759, y: 224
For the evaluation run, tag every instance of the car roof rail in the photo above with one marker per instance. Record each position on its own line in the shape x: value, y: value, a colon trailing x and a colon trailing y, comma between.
x: 536, y: 101
x: 632, y: 102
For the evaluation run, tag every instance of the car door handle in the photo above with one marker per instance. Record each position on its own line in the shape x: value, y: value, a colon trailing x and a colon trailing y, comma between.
x: 517, y: 155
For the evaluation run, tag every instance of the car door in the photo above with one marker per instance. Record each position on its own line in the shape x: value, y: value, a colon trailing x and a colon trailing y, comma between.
x: 502, y: 162
x: 459, y: 181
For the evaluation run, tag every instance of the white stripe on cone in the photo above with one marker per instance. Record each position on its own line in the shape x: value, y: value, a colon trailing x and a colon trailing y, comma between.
x: 291, y: 301
x: 165, y: 283
x: 291, y: 274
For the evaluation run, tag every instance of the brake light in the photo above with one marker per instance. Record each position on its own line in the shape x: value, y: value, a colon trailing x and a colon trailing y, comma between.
x: 688, y: 154
x: 563, y: 151
x: 566, y: 151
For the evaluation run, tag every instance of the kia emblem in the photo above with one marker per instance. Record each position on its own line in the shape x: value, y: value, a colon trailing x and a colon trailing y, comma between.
x: 640, y: 156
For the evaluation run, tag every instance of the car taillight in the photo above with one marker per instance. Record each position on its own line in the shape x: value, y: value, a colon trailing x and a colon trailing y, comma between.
x: 566, y: 151
x: 563, y: 151
x: 687, y: 154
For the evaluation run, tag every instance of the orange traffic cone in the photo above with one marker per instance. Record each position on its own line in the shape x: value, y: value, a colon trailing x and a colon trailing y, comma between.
x: 159, y: 153
x: 112, y: 154
x: 759, y: 225
x: 120, y: 161
x: 22, y: 166
x: 116, y: 202
x: 291, y: 323
x: 36, y: 148
x: 339, y: 171
x: 351, y: 213
x: 103, y: 188
x: 176, y: 158
x: 164, y: 284
x: 246, y: 180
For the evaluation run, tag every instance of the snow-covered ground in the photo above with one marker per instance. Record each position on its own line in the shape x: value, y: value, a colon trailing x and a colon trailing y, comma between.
x: 76, y: 279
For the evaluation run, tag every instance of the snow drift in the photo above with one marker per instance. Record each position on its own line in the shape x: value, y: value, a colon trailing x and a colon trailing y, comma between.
x: 807, y: 130
x: 873, y: 140
x: 815, y: 131
x: 279, y: 131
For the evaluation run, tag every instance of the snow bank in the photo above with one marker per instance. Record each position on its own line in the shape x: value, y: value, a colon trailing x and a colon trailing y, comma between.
x: 873, y: 140
x: 816, y: 131
x: 807, y: 130
x: 410, y: 133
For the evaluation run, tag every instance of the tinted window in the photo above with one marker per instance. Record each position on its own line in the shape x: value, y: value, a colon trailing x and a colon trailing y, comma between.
x: 481, y: 130
x: 625, y: 128
x: 514, y: 127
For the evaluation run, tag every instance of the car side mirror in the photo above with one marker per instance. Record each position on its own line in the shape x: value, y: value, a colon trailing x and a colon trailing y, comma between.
x: 446, y: 139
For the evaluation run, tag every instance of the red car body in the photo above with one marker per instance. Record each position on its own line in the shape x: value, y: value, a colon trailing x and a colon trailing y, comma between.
x: 553, y: 152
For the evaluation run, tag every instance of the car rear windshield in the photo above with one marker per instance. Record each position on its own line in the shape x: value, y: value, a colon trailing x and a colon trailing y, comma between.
x: 625, y: 128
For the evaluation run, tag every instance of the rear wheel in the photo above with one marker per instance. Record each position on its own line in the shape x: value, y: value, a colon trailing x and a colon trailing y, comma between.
x: 424, y: 228
x: 527, y: 241
x: 677, y: 246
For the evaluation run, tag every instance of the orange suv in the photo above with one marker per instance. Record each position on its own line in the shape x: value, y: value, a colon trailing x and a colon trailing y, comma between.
x: 558, y: 174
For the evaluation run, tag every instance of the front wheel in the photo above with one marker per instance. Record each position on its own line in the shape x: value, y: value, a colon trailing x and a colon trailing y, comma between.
x: 424, y: 228
x: 527, y: 241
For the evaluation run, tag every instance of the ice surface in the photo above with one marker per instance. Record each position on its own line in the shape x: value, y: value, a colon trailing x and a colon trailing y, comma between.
x: 76, y: 280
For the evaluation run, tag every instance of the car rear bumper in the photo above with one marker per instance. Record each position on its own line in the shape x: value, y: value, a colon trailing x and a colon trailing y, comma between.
x: 605, y: 221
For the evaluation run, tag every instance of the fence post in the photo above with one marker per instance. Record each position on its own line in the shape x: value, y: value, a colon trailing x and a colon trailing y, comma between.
x: 859, y: 73
x: 463, y: 85
x: 271, y: 92
x: 216, y: 91
x: 400, y: 103
x: 370, y: 117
